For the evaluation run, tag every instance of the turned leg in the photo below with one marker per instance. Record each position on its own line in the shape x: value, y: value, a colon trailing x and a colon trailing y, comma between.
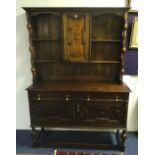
x: 40, y: 132
x: 34, y: 136
x: 121, y: 137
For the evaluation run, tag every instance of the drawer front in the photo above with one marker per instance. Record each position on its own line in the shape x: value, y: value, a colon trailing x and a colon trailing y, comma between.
x: 40, y: 96
x: 111, y: 97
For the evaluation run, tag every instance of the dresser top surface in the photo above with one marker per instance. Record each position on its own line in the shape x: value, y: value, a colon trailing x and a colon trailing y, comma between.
x: 81, y: 86
x: 117, y: 9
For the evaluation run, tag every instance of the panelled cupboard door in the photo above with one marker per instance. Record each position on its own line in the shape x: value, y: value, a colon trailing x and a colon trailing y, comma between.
x: 99, y: 113
x: 49, y: 112
x: 76, y: 36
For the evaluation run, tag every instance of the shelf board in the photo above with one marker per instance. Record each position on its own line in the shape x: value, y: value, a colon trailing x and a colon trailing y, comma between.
x: 105, y: 40
x: 105, y: 61
x: 46, y: 40
x: 47, y: 61
x: 58, y: 61
x: 93, y: 40
x: 62, y: 61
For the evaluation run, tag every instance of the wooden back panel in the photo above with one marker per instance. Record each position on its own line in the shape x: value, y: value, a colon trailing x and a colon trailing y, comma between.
x: 47, y: 25
x: 106, y: 26
x: 47, y: 36
x: 78, y: 71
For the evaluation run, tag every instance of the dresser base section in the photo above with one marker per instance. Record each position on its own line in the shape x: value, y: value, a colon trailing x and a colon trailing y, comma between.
x: 108, y: 139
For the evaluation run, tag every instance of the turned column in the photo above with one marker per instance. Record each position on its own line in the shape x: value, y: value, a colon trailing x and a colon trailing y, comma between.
x: 31, y: 48
x: 124, y: 36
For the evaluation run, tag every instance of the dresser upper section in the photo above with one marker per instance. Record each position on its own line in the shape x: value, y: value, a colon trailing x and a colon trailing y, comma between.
x: 86, y: 44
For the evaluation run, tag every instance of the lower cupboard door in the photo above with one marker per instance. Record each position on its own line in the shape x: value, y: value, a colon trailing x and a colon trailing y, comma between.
x: 94, y: 114
x: 57, y: 114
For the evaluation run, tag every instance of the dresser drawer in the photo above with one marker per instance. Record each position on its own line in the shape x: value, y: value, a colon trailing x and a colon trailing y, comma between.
x: 50, y: 96
x: 45, y: 95
x: 104, y: 96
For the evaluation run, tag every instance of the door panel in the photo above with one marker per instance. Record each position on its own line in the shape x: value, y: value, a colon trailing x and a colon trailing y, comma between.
x: 76, y: 36
x: 53, y: 113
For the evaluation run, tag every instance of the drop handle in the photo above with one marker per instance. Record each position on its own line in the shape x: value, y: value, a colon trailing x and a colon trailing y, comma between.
x: 116, y: 99
x: 39, y: 97
x: 67, y: 98
x: 75, y: 15
x: 88, y: 98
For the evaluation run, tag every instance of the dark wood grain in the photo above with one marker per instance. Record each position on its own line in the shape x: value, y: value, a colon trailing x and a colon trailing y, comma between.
x: 79, y: 86
x: 76, y: 36
x: 77, y: 59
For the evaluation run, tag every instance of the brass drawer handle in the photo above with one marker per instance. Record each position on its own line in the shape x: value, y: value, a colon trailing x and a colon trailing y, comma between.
x: 75, y: 15
x: 116, y: 99
x: 39, y: 97
x: 88, y: 98
x: 67, y: 98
